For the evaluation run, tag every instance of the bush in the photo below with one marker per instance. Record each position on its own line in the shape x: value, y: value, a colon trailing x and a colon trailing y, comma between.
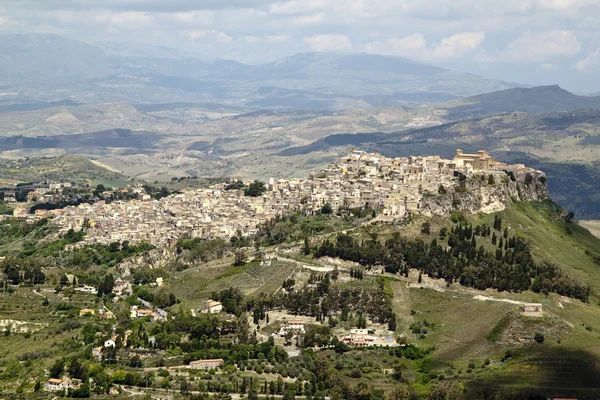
x: 539, y: 337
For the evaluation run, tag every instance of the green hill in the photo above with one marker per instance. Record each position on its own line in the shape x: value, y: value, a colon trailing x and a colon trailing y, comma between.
x: 69, y: 167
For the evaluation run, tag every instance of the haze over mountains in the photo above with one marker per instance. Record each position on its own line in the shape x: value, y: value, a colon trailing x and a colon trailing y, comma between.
x: 115, y: 72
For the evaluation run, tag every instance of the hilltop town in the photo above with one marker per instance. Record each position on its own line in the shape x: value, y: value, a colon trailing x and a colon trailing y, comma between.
x: 394, y: 187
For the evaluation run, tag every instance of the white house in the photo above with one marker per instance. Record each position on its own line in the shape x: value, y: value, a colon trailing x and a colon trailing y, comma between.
x: 57, y: 384
x: 112, y: 342
x: 212, y: 307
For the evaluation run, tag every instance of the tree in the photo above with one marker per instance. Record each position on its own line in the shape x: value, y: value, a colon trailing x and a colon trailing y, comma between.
x: 491, y: 179
x: 539, y: 337
x: 570, y: 216
x: 57, y: 369
x: 326, y: 209
x: 442, y: 190
x: 107, y: 285
x: 255, y: 189
x: 426, y: 228
x: 420, y: 277
x: 240, y: 258
x: 306, y: 249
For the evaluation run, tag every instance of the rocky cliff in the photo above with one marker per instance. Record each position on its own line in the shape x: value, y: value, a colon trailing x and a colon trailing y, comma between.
x: 480, y: 197
x: 156, y: 258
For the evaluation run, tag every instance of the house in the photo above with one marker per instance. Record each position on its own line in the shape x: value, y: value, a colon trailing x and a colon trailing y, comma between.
x: 143, y: 312
x: 87, y: 311
x: 112, y: 342
x: 291, y: 326
x: 87, y: 289
x: 97, y: 352
x: 357, y: 331
x: 57, y: 384
x: 108, y: 315
x: 206, y: 364
x: 532, y: 310
x: 10, y: 196
x: 212, y: 307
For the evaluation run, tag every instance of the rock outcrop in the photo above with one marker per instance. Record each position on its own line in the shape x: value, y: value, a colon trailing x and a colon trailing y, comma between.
x: 478, y: 197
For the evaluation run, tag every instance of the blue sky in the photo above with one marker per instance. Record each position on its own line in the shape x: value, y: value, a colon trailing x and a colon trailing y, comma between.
x: 526, y: 41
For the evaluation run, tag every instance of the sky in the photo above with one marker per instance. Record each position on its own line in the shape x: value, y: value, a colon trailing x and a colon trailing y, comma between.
x: 525, y: 41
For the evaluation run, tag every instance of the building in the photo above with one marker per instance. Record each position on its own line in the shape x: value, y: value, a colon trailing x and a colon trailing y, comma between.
x: 481, y: 161
x: 112, y: 342
x: 87, y: 311
x: 212, y: 307
x: 57, y: 384
x: 97, y: 352
x: 206, y: 364
x: 291, y: 326
x: 531, y: 310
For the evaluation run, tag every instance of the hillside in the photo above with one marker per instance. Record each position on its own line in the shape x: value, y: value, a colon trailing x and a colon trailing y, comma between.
x: 69, y: 168
x: 536, y: 100
x: 459, y: 340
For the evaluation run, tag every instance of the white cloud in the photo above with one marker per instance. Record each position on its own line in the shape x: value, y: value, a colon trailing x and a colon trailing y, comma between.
x: 564, y: 4
x: 277, y: 38
x: 224, y: 38
x: 128, y: 20
x: 549, y: 67
x: 415, y: 45
x: 541, y: 46
x: 308, y: 19
x: 219, y: 36
x: 589, y: 63
x: 329, y: 43
x: 296, y: 7
x: 458, y: 44
x: 405, y: 46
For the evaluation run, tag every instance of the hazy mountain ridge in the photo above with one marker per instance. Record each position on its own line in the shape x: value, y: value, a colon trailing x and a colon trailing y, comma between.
x: 108, y: 73
x: 535, y: 100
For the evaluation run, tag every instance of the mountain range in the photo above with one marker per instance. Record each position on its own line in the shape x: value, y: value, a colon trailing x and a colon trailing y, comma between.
x: 50, y: 67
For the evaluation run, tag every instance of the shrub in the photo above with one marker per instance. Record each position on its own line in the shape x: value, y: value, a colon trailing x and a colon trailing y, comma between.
x: 539, y: 337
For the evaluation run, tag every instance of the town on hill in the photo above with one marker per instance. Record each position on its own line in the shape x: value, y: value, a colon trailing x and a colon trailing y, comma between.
x: 393, y: 187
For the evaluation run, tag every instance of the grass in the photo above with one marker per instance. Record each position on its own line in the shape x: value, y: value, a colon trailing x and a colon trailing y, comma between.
x: 553, y: 240
x: 196, y: 284
x: 499, y: 328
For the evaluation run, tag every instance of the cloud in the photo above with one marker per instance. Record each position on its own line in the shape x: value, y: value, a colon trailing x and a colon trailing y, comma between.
x: 415, y: 45
x: 405, y: 46
x: 277, y: 38
x: 329, y: 43
x: 296, y: 7
x: 541, y: 46
x: 564, y: 4
x: 165, y: 6
x: 219, y: 36
x: 589, y: 63
x: 308, y: 19
x: 458, y: 44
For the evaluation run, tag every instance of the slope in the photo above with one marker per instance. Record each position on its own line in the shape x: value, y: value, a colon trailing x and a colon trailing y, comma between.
x: 536, y: 100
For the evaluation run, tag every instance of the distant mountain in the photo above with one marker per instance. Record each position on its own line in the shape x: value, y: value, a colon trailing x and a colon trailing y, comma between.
x: 365, y: 74
x: 153, y: 74
x: 536, y: 100
x: 50, y: 58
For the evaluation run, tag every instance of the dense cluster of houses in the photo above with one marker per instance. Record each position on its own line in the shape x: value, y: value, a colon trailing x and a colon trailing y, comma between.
x: 394, y: 186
